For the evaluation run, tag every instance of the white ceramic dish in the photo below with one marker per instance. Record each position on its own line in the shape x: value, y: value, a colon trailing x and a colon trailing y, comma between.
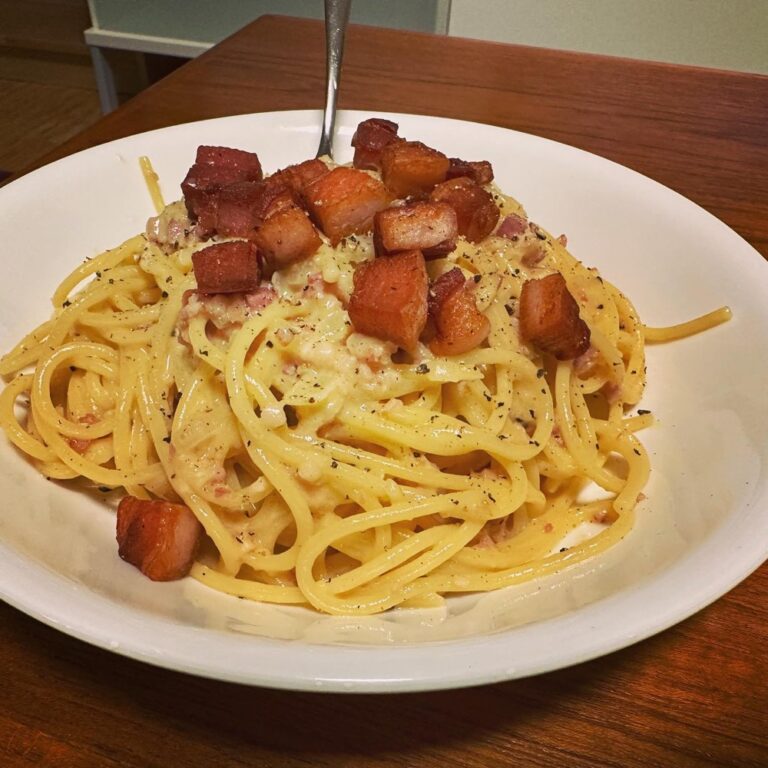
x: 703, y: 527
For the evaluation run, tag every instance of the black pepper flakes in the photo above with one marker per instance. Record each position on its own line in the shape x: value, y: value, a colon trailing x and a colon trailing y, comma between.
x: 422, y: 368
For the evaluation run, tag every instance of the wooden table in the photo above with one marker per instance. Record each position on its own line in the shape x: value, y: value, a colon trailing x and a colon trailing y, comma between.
x: 695, y: 695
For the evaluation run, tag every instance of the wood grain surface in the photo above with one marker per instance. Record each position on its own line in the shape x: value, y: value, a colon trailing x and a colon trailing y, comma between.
x: 695, y: 695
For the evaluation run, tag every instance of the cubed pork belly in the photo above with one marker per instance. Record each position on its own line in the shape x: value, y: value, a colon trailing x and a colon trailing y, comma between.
x: 287, y: 235
x: 480, y: 171
x: 238, y: 207
x: 230, y: 267
x: 243, y: 165
x: 215, y: 168
x: 412, y: 169
x: 389, y: 300
x: 369, y: 140
x: 160, y: 538
x: 476, y: 211
x: 549, y: 318
x: 429, y: 227
x: 297, y: 178
x: 344, y: 201
x: 459, y: 325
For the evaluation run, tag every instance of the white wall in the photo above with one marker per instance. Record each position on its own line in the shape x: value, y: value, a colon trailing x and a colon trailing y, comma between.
x: 728, y: 34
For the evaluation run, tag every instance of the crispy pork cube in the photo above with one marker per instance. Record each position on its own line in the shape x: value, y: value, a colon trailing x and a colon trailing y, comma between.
x: 243, y: 166
x: 476, y: 212
x: 344, y: 201
x: 215, y: 168
x: 237, y: 208
x: 160, y: 538
x: 297, y: 178
x: 231, y: 267
x: 287, y: 235
x: 549, y: 318
x: 389, y: 300
x: 429, y: 227
x: 480, y: 171
x: 369, y: 140
x: 459, y: 325
x: 412, y: 169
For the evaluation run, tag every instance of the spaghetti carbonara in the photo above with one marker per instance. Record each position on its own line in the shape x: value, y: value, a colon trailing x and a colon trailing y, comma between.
x: 326, y: 465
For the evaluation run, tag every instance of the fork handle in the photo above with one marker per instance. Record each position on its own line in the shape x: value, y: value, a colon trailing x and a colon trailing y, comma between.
x: 336, y: 18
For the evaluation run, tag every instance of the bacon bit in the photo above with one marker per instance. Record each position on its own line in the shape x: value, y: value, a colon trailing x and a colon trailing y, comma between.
x: 214, y: 169
x: 226, y: 311
x: 172, y: 229
x: 410, y: 168
x: 81, y: 445
x: 459, y: 325
x: 344, y: 201
x: 428, y: 227
x: 389, y: 300
x: 480, y: 171
x: 563, y: 240
x: 611, y: 391
x: 585, y: 365
x: 548, y: 528
x: 369, y: 140
x: 230, y: 267
x: 549, y: 318
x: 534, y: 254
x: 160, y: 538
x: 512, y: 226
x: 600, y: 517
x: 262, y: 297
x: 286, y: 236
x: 221, y: 490
x: 476, y: 212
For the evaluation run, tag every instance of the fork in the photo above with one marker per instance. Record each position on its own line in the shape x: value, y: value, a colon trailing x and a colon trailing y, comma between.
x: 336, y: 18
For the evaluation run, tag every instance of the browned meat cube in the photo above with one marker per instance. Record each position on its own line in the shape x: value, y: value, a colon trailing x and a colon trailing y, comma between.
x: 410, y: 168
x: 242, y: 165
x: 297, y: 178
x: 389, y: 300
x: 480, y: 171
x: 370, y: 138
x: 344, y: 201
x: 476, y: 212
x: 429, y: 227
x: 229, y: 267
x: 237, y: 208
x: 160, y: 538
x: 459, y: 325
x: 549, y: 318
x: 215, y: 168
x: 287, y: 235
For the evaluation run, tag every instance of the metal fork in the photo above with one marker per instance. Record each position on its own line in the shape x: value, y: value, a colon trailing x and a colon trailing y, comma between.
x: 336, y: 18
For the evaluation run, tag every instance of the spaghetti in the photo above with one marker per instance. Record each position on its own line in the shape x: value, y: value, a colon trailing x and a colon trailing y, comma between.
x: 327, y: 468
